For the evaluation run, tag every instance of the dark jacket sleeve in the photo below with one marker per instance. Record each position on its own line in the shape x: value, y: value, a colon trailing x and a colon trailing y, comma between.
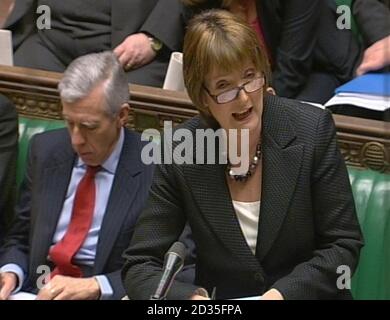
x: 338, y: 233
x: 116, y: 284
x: 8, y: 152
x: 160, y: 224
x: 373, y: 19
x: 294, y: 51
x: 166, y: 23
x: 16, y: 246
x: 22, y: 21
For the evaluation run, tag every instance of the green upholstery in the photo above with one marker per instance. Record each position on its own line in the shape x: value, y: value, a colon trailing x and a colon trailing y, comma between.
x: 371, y: 191
x: 27, y: 128
x: 372, y: 196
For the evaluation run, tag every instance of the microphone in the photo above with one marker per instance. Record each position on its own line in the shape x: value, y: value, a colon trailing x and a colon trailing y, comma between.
x: 173, y: 263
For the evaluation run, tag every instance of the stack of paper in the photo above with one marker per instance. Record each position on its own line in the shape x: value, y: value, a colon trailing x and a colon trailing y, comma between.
x: 174, y: 77
x: 370, y: 91
x: 23, y: 296
x: 6, y: 56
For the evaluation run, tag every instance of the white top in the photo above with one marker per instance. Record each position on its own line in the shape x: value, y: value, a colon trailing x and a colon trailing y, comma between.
x: 248, y: 217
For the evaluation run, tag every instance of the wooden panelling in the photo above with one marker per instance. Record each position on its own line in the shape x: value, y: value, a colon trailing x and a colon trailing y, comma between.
x: 363, y: 142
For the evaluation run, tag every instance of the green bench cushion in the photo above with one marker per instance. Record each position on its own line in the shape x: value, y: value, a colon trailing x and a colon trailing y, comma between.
x: 371, y: 191
x: 27, y: 128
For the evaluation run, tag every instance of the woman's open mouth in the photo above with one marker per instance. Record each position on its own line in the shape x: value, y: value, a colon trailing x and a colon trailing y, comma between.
x: 242, y: 115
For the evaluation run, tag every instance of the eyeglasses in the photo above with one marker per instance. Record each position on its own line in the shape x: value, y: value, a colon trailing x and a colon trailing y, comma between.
x: 232, y: 94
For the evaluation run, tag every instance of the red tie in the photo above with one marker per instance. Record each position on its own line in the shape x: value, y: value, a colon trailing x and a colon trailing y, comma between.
x: 63, y: 252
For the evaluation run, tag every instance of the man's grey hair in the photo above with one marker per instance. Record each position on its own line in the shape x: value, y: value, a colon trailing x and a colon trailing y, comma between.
x: 87, y: 72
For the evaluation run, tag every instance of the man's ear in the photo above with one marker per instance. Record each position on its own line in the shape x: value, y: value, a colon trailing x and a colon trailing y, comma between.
x: 271, y: 91
x: 124, y: 114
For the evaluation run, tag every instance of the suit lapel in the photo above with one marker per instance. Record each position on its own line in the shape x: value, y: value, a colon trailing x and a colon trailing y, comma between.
x: 211, y: 193
x: 281, y: 167
x: 210, y: 190
x: 122, y: 196
x: 54, y: 186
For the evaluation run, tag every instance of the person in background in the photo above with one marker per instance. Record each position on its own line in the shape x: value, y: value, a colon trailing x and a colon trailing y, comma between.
x: 142, y: 33
x: 309, y: 56
x: 8, y: 154
x: 279, y: 229
x: 82, y: 193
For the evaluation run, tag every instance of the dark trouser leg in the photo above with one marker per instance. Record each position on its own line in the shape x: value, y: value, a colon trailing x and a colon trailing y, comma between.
x: 33, y: 53
x: 8, y: 154
x: 152, y: 74
x: 320, y: 88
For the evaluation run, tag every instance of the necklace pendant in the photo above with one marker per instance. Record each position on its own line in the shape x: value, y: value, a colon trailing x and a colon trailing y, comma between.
x: 251, y: 169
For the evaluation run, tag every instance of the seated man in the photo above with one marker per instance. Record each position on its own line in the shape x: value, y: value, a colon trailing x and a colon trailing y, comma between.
x: 8, y: 151
x: 82, y: 193
x: 142, y: 33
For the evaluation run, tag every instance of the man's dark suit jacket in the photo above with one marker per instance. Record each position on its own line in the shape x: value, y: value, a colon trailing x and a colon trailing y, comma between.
x: 307, y: 223
x: 162, y: 19
x: 373, y: 19
x: 50, y: 163
x: 8, y: 153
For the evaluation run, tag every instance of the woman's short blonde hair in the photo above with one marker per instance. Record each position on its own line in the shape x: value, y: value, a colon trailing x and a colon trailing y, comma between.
x: 223, y: 3
x: 218, y: 39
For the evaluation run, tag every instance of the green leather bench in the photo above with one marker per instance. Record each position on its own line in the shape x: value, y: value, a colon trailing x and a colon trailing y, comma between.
x: 371, y: 191
x: 372, y: 195
x: 27, y: 128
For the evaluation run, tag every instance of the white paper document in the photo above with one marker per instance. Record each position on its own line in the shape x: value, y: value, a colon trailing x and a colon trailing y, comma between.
x: 367, y: 101
x: 370, y: 91
x: 6, y: 54
x: 174, y: 77
x: 249, y: 298
x: 23, y: 296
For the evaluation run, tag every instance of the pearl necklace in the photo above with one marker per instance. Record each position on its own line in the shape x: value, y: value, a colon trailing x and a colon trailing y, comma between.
x: 251, y: 170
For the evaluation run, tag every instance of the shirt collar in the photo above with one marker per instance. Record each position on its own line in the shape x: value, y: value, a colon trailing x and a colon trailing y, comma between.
x: 111, y: 163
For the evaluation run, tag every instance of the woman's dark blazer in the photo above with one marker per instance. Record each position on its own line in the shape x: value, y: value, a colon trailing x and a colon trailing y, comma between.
x: 307, y: 224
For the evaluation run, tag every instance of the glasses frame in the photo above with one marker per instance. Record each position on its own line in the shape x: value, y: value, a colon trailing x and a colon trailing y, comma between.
x: 238, y: 88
